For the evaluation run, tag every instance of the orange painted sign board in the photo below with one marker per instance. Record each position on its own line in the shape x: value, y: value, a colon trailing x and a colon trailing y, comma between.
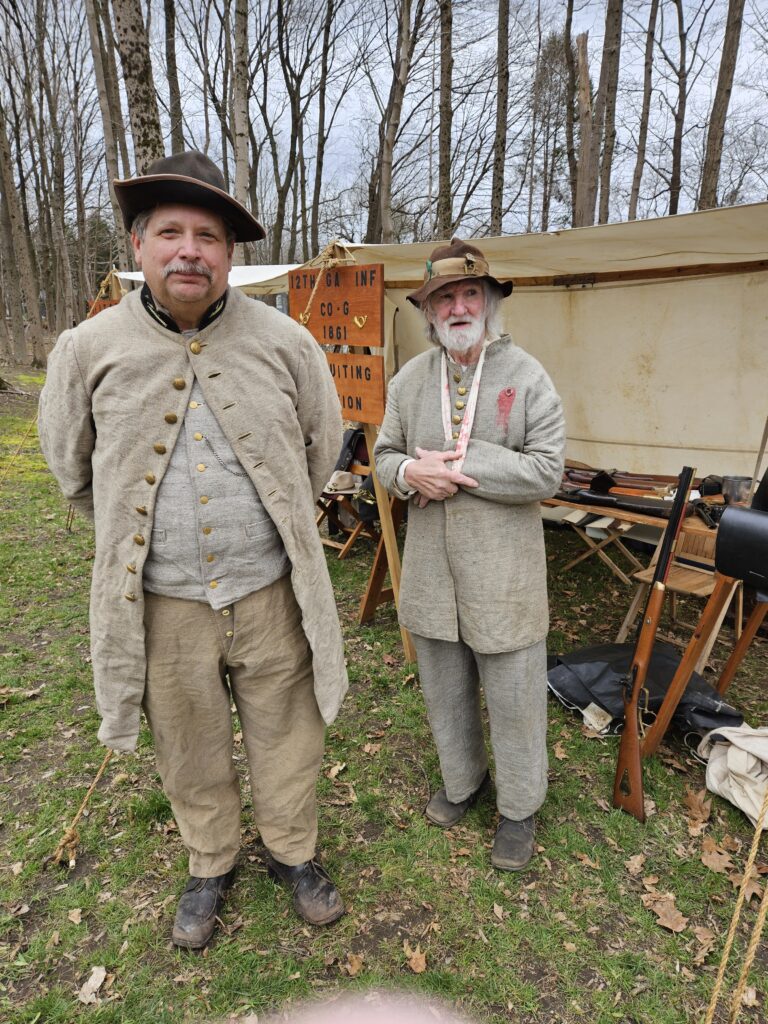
x: 347, y: 307
x: 359, y: 384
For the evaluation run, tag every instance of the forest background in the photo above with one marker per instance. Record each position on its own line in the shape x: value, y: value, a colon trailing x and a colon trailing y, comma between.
x: 364, y: 120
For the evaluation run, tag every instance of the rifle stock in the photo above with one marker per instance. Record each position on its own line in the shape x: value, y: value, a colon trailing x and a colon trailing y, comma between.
x: 628, y: 784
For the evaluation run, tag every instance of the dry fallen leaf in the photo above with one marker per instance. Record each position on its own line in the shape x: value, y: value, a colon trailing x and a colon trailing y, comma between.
x: 749, y: 998
x: 353, y: 965
x: 753, y: 887
x: 706, y: 938
x: 663, y: 906
x: 587, y: 862
x: 389, y: 660
x: 714, y: 858
x: 635, y: 864
x: 87, y: 993
x: 699, y: 807
x: 417, y: 960
x: 17, y: 868
x: 53, y: 940
x: 498, y: 911
x: 560, y: 753
x: 371, y: 748
x: 570, y: 946
x: 338, y: 767
x: 75, y: 916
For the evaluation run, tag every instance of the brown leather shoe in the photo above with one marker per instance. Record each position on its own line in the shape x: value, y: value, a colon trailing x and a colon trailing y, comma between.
x: 315, y: 897
x: 513, y: 845
x: 440, y: 811
x: 198, y: 910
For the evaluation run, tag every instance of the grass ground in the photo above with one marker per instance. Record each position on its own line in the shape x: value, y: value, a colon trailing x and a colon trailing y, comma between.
x: 571, y: 940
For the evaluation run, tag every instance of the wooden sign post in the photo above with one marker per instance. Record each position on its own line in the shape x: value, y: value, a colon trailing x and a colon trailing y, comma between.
x: 343, y: 307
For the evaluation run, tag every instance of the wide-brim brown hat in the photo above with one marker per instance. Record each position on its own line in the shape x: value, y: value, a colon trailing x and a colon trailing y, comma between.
x: 191, y: 179
x: 455, y: 262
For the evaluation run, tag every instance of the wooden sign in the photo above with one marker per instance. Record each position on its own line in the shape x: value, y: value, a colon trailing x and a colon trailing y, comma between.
x: 347, y: 307
x: 359, y: 384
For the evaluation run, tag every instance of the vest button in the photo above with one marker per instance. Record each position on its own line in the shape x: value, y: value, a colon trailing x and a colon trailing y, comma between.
x: 457, y: 419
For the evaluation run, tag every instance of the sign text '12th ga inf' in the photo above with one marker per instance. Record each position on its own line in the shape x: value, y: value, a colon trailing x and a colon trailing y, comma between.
x: 348, y: 305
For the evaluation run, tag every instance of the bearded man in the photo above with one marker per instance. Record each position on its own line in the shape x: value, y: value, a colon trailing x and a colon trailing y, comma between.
x: 196, y: 427
x: 474, y: 434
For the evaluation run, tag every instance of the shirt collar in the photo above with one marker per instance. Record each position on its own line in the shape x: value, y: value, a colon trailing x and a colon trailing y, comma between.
x: 164, y: 318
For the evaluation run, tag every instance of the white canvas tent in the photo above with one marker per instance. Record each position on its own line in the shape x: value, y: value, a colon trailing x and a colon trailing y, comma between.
x: 655, y: 332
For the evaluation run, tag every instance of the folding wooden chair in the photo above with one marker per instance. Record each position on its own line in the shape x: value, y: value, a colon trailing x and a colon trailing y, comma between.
x: 332, y: 503
x: 693, y: 575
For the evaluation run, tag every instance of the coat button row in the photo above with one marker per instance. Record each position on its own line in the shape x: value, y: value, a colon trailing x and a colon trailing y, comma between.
x: 160, y: 448
x: 171, y: 417
x: 179, y: 383
x: 195, y: 347
x: 138, y: 539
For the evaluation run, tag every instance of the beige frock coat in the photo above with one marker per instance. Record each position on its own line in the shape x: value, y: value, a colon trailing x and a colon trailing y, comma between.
x: 110, y: 412
x: 474, y: 566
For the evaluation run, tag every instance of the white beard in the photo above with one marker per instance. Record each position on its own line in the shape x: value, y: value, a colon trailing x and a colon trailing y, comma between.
x: 463, y: 340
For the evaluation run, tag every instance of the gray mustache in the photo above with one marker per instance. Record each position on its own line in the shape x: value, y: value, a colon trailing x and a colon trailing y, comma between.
x: 184, y: 267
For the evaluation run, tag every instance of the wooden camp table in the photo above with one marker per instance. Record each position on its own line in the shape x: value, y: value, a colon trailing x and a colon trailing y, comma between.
x: 616, y: 522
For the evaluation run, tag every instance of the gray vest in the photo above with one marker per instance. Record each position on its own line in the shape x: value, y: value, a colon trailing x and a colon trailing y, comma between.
x: 212, y: 538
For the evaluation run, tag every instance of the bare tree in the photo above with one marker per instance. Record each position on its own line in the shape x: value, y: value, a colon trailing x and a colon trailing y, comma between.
x: 174, y: 92
x: 642, y: 135
x: 444, y: 196
x: 133, y: 45
x: 611, y: 60
x: 502, y: 106
x: 714, y: 152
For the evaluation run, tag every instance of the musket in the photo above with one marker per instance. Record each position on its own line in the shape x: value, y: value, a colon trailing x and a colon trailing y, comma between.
x: 628, y: 785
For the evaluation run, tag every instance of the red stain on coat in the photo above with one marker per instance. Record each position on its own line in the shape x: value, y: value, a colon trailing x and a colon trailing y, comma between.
x: 504, y: 404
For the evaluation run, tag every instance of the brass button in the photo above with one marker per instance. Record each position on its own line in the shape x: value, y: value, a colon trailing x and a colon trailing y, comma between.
x: 160, y: 448
x: 213, y: 584
x: 210, y: 558
x: 457, y: 419
x: 462, y: 391
x: 179, y: 383
x: 459, y: 405
x: 171, y: 417
x: 455, y: 435
x: 204, y: 499
x: 196, y: 347
x: 150, y: 478
x: 141, y: 509
x: 207, y: 530
x: 201, y: 467
x: 230, y: 632
x: 131, y: 568
x: 198, y: 437
x: 225, y: 611
x: 193, y: 405
x: 457, y: 377
x: 138, y: 539
x: 129, y: 597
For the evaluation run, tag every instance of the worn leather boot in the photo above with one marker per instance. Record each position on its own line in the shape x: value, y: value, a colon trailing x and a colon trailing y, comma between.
x: 513, y: 845
x: 315, y: 897
x: 198, y: 909
x: 440, y: 811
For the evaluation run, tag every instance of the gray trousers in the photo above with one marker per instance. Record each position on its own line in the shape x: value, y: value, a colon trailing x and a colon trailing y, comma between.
x: 515, y: 687
x: 200, y: 660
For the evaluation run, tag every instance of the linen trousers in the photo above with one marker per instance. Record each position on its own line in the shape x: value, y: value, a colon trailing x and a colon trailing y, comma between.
x: 515, y: 687
x: 199, y: 661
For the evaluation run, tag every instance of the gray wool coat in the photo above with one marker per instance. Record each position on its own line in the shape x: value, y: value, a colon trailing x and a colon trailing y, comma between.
x: 110, y: 412
x: 475, y: 564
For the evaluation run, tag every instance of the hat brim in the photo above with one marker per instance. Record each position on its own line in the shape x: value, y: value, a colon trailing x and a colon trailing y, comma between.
x: 135, y: 195
x: 423, y: 293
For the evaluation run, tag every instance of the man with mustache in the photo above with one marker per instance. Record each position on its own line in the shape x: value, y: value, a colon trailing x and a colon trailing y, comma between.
x: 474, y: 433
x: 196, y: 427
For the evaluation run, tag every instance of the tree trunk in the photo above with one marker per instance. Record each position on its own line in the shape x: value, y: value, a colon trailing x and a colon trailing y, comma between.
x: 675, y: 180
x: 642, y: 135
x: 570, y: 128
x: 174, y: 93
x: 28, y: 271
x: 240, y: 116
x: 322, y: 88
x: 585, y: 172
x: 444, y: 197
x: 399, y: 83
x: 611, y: 61
x: 113, y: 88
x: 12, y: 280
x: 502, y: 107
x: 714, y: 153
x: 139, y: 83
